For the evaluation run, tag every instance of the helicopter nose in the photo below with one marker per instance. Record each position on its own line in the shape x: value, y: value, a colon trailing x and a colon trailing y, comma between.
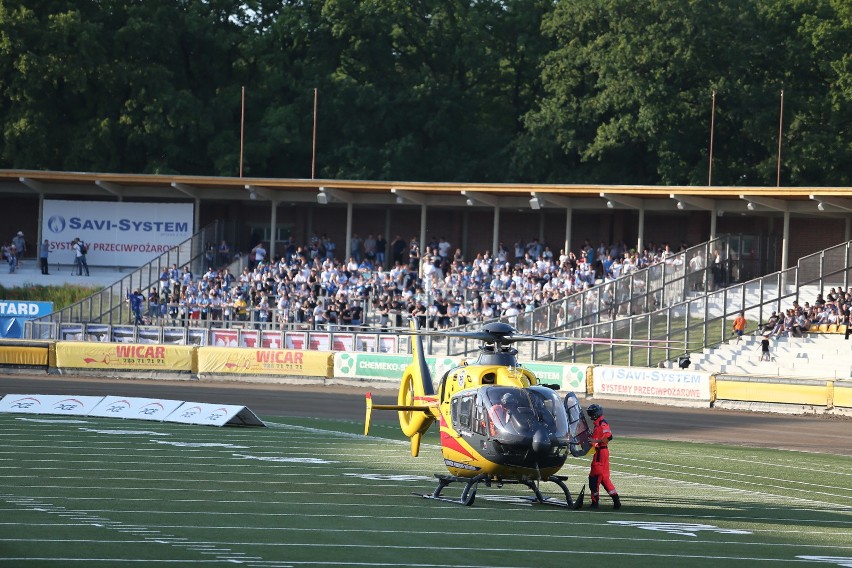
x: 541, y: 441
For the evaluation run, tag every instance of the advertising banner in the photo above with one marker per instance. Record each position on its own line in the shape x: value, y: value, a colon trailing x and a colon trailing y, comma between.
x: 388, y: 344
x: 390, y: 367
x: 135, y: 408
x: 123, y: 356
x: 568, y: 377
x: 248, y: 338
x: 118, y: 233
x: 28, y: 356
x: 224, y: 337
x: 295, y: 339
x: 319, y: 341
x: 264, y: 362
x: 13, y: 314
x: 49, y: 404
x: 629, y: 382
x: 343, y: 342
x: 270, y: 339
x: 366, y: 342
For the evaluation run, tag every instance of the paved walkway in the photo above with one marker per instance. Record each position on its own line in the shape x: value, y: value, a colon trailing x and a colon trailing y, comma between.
x: 60, y: 275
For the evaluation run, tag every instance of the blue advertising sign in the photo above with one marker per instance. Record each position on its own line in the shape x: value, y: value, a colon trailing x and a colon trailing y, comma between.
x: 14, y: 312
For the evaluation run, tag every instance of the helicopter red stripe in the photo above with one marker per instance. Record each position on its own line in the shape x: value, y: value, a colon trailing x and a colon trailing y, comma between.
x: 451, y: 443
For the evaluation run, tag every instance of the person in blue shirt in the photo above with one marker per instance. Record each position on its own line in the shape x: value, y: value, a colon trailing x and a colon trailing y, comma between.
x: 136, y: 307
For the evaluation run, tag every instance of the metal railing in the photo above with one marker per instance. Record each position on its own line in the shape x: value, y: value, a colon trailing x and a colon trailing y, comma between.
x: 702, y: 269
x: 110, y: 306
x: 687, y: 326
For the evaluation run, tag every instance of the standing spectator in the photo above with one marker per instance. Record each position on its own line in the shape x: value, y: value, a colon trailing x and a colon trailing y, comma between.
x: 43, y: 251
x: 21, y: 244
x: 209, y: 255
x: 356, y: 246
x: 224, y: 253
x: 258, y: 255
x: 739, y: 326
x: 381, y: 249
x: 370, y: 245
x: 12, y: 256
x: 764, y: 347
x: 599, y: 471
x: 79, y: 248
x: 413, y: 254
x: 397, y: 249
x: 135, y: 298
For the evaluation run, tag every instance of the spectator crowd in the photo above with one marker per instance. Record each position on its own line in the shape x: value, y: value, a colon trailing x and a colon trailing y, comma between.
x: 835, y: 308
x: 384, y: 283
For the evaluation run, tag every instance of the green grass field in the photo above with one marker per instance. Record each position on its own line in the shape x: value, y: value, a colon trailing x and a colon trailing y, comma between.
x: 100, y: 492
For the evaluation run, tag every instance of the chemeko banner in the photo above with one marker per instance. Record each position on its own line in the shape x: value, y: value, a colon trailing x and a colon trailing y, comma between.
x: 641, y: 382
x: 118, y: 233
x: 385, y: 367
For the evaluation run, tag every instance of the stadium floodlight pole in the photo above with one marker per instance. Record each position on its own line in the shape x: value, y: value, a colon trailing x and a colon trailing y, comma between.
x: 712, y: 126
x: 242, y: 126
x: 780, y: 131
x: 314, y: 143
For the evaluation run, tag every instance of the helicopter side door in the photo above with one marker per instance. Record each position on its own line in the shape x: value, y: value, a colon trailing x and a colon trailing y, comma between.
x: 578, y: 428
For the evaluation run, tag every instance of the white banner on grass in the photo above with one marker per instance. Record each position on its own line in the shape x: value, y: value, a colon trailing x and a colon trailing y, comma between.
x: 49, y: 404
x: 136, y: 408
x: 118, y: 233
x: 214, y: 414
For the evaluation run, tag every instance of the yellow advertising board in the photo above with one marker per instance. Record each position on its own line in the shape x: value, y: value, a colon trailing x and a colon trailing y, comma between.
x: 244, y: 361
x: 843, y: 394
x: 14, y: 355
x: 772, y: 392
x: 123, y: 356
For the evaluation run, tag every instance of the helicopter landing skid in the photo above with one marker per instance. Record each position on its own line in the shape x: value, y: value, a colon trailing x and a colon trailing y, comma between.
x: 468, y: 494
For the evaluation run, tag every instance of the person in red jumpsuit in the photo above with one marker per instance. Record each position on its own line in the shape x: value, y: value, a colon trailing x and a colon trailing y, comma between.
x: 599, y: 472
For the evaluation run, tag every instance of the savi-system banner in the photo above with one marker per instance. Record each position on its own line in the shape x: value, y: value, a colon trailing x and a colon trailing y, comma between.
x: 654, y: 383
x: 118, y: 233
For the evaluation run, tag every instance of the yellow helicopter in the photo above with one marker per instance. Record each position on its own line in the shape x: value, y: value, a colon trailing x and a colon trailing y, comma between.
x: 499, y: 424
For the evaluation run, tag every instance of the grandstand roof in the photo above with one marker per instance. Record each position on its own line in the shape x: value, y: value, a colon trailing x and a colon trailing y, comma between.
x: 803, y: 200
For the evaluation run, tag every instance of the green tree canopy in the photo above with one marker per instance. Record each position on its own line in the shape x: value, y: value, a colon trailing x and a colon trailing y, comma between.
x: 579, y: 91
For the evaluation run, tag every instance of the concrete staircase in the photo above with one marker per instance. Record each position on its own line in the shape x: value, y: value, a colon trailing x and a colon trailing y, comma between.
x: 814, y: 356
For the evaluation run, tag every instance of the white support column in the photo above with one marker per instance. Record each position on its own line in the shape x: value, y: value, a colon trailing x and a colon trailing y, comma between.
x: 39, y: 238
x: 785, y: 242
x: 273, y: 226
x: 348, y: 249
x: 569, y: 214
x: 714, y: 213
x: 197, y: 215
x: 495, y: 236
x: 422, y: 230
x: 640, y: 241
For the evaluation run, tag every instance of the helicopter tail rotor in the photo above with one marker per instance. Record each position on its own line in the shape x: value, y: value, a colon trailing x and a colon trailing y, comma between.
x: 416, y: 402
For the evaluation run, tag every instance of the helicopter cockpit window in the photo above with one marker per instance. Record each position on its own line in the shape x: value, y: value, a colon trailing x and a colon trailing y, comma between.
x: 521, y: 411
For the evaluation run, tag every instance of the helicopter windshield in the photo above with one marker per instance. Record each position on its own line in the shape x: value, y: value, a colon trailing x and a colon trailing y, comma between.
x: 517, y: 411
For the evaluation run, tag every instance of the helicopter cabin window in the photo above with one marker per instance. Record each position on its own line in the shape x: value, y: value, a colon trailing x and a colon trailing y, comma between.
x: 468, y: 413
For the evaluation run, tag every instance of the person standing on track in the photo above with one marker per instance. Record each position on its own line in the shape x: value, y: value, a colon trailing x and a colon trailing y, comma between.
x: 599, y: 472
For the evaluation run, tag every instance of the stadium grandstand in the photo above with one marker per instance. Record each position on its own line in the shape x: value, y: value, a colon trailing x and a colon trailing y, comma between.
x: 608, y: 262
